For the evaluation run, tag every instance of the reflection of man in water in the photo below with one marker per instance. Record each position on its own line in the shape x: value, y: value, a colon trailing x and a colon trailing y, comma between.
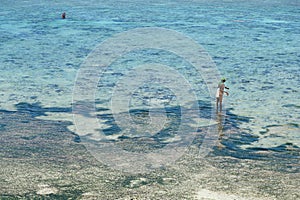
x: 220, y: 130
x: 220, y: 92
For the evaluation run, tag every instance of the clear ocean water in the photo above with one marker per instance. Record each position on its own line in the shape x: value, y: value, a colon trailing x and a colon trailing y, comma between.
x: 254, y: 44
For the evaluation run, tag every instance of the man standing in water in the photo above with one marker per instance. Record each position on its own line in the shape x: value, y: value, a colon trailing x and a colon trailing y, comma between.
x: 220, y: 92
x: 63, y: 15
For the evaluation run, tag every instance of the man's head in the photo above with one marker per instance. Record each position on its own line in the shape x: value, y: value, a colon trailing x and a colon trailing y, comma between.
x: 223, y: 80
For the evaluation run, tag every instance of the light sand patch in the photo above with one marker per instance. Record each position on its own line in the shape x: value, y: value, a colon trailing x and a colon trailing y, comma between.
x: 46, y: 189
x: 205, y: 194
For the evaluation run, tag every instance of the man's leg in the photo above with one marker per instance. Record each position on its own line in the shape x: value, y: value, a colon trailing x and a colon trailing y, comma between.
x: 220, y: 100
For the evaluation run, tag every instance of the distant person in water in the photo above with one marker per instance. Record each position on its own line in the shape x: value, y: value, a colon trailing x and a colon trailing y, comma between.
x: 63, y: 15
x: 220, y: 93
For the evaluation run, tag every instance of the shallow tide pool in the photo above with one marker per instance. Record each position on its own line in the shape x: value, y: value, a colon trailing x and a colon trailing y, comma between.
x: 255, y: 141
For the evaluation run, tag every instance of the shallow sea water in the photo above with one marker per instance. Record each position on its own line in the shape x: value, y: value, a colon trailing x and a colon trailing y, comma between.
x: 254, y: 44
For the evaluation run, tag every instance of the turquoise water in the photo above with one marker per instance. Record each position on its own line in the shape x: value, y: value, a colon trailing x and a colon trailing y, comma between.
x: 255, y: 45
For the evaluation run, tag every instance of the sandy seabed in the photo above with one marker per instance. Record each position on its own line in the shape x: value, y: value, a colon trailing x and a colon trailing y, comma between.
x: 43, y: 159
